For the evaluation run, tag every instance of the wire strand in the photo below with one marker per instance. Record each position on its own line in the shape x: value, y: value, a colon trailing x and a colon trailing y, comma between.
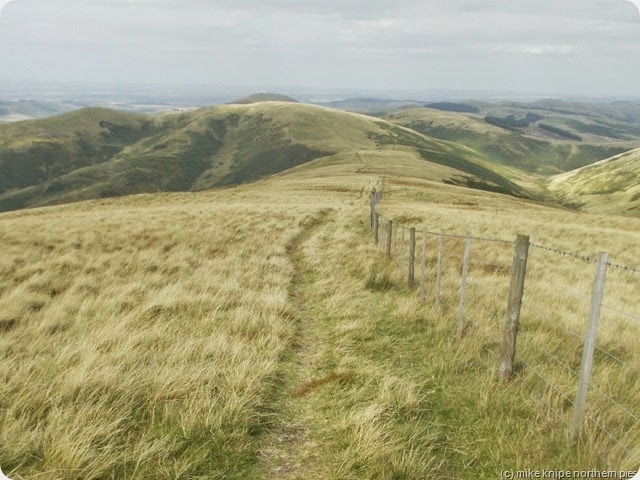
x: 548, y: 353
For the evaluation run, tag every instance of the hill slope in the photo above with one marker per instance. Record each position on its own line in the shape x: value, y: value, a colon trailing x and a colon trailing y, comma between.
x: 257, y: 332
x: 537, y: 141
x: 95, y: 153
x: 609, y: 186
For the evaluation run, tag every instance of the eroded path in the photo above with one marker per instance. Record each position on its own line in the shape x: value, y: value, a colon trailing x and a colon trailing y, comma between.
x: 288, y: 450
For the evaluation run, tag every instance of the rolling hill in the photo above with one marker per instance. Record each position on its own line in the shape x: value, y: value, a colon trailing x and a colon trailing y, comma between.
x: 532, y: 140
x: 608, y: 186
x: 96, y: 153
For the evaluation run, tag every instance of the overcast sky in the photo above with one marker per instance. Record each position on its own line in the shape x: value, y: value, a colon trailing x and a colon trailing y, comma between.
x: 555, y: 47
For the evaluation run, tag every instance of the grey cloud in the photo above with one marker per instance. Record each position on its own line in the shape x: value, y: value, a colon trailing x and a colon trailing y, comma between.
x: 332, y: 43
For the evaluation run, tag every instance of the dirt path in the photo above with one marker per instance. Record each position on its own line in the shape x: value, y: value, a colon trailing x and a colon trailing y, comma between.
x: 288, y: 451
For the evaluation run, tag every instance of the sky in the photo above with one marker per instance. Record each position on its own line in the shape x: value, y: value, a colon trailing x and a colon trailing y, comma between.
x: 548, y: 47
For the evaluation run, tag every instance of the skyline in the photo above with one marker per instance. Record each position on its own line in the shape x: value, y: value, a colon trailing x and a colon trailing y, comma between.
x: 578, y: 48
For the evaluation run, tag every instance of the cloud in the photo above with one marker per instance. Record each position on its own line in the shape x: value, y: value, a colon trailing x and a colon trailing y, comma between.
x: 350, y: 43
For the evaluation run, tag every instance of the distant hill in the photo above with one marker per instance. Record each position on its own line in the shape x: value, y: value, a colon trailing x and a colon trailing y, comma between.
x: 263, y: 97
x: 12, y: 111
x: 95, y: 153
x: 609, y: 186
x: 371, y: 105
x: 534, y: 140
x: 454, y: 107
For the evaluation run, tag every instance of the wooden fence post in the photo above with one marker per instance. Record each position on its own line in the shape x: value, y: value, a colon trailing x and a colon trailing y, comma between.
x: 412, y: 257
x: 463, y: 284
x: 403, y: 252
x: 389, y: 232
x: 424, y: 265
x: 514, y: 305
x: 376, y: 227
x: 440, y: 262
x: 597, y: 295
x: 371, y: 204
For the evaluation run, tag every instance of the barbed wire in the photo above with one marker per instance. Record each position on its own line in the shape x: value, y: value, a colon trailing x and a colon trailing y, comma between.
x: 623, y: 267
x: 564, y: 253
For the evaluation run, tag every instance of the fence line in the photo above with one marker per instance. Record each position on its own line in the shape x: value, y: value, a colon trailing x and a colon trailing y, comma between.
x: 517, y: 301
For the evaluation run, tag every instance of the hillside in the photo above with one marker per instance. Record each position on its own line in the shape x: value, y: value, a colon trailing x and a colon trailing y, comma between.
x: 257, y: 332
x: 532, y: 140
x: 608, y: 186
x: 97, y: 153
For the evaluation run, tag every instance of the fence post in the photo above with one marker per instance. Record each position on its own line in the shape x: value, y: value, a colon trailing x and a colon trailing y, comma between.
x: 376, y: 227
x: 412, y: 257
x: 440, y: 261
x: 424, y: 265
x: 403, y: 252
x: 588, y: 350
x: 463, y: 284
x: 514, y: 305
x: 389, y: 232
x: 372, y: 212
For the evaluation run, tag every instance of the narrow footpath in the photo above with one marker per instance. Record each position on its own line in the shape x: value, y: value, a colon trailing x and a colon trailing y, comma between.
x: 287, y: 450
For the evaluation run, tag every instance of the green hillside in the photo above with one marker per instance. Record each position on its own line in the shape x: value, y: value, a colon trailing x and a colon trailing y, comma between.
x: 96, y: 153
x: 609, y: 186
x: 542, y: 142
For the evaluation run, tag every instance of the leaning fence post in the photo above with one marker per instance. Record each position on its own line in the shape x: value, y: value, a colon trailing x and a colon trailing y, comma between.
x: 597, y: 295
x: 514, y: 305
x: 440, y: 261
x: 424, y: 265
x: 389, y: 232
x: 412, y: 257
x: 463, y: 284
x: 376, y: 227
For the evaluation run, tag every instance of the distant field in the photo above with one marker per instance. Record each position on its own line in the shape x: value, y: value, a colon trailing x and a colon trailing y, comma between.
x: 244, y: 333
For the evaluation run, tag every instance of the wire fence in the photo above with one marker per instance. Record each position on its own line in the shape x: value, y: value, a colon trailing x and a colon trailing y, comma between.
x: 587, y: 377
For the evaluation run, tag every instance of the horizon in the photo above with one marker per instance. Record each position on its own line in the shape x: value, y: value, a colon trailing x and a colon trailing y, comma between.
x: 580, y: 49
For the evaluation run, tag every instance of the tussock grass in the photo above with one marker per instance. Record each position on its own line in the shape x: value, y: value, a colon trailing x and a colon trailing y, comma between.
x: 142, y: 341
x: 257, y: 332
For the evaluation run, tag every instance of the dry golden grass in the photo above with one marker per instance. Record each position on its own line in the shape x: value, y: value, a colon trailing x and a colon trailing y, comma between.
x: 256, y: 332
x: 140, y: 337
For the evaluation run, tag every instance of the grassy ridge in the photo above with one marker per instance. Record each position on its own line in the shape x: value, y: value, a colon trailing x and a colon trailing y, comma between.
x: 97, y: 153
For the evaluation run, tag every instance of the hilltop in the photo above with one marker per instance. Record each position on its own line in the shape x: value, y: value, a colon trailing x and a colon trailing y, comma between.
x: 96, y: 153
x: 264, y: 97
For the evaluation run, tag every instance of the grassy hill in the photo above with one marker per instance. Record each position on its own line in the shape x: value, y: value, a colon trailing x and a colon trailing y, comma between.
x: 257, y: 332
x: 608, y: 186
x: 97, y: 153
x: 551, y: 143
